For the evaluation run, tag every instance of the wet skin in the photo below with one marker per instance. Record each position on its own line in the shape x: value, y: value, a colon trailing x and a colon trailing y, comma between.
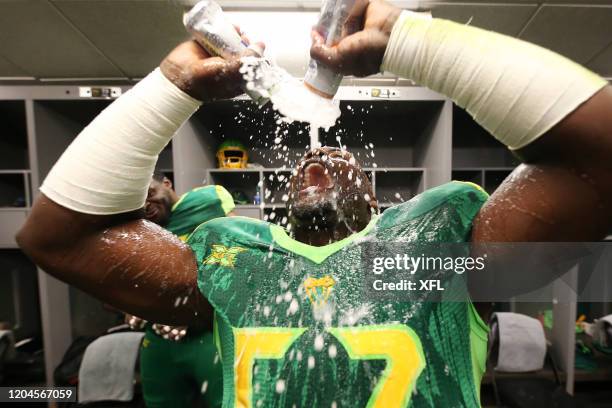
x: 330, y: 197
x: 562, y: 192
x: 161, y: 197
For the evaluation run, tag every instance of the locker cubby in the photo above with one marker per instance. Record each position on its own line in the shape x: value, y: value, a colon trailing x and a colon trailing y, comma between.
x: 14, y: 190
x: 57, y: 123
x: 475, y: 176
x: 397, y: 186
x: 19, y: 305
x: 236, y: 182
x: 269, y: 142
x: 473, y: 146
x: 13, y: 136
x: 385, y: 133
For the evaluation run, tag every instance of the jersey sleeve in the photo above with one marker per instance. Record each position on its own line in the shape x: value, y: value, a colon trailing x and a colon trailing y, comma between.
x: 197, y: 206
x: 231, y: 257
x: 458, y: 201
x: 198, y: 242
x: 467, y: 199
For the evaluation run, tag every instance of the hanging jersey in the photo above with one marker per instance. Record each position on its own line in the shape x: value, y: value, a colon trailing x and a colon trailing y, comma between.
x: 294, y: 329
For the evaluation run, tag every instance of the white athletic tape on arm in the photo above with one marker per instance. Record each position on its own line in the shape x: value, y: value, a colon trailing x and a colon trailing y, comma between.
x: 514, y: 89
x: 108, y: 167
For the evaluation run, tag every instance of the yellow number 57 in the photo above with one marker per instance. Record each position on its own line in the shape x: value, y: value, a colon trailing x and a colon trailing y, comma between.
x: 397, y: 344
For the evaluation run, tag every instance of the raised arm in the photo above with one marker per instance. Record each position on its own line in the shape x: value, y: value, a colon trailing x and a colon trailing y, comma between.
x: 86, y: 228
x: 556, y: 115
x: 563, y: 190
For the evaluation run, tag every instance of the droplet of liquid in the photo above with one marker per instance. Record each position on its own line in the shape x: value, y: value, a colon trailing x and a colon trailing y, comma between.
x: 319, y: 342
x: 280, y: 386
x: 311, y: 362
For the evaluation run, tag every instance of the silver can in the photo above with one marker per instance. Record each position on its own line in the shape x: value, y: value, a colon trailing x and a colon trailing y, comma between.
x: 216, y: 34
x: 333, y: 16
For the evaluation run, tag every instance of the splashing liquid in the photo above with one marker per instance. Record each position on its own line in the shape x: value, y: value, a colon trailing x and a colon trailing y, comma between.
x: 264, y: 80
x: 216, y: 34
x: 312, y: 101
x: 288, y: 95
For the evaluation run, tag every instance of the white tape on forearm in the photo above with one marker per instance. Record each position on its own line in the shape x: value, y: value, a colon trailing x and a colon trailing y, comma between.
x: 514, y: 89
x: 108, y: 167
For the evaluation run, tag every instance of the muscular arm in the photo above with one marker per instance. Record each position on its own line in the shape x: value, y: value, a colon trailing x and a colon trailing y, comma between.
x: 561, y: 193
x: 122, y: 259
x: 554, y: 113
x: 563, y: 190
x: 557, y: 115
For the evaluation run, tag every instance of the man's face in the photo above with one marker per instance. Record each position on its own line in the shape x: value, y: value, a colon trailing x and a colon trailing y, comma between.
x: 159, y: 202
x: 328, y: 187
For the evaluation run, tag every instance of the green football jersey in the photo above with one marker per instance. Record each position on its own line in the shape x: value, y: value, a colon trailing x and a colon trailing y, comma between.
x: 295, y: 329
x: 198, y: 206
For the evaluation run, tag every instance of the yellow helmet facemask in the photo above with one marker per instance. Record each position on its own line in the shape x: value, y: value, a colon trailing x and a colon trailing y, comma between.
x: 232, y: 155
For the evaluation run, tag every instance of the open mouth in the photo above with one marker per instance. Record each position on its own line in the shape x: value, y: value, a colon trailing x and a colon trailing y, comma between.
x: 315, y: 178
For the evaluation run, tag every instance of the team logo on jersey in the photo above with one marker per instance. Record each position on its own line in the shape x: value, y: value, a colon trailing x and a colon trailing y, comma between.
x: 224, y: 256
x: 318, y: 290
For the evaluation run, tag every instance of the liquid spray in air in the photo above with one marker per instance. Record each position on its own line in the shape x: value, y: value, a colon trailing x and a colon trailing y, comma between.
x: 216, y: 34
x: 265, y: 81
